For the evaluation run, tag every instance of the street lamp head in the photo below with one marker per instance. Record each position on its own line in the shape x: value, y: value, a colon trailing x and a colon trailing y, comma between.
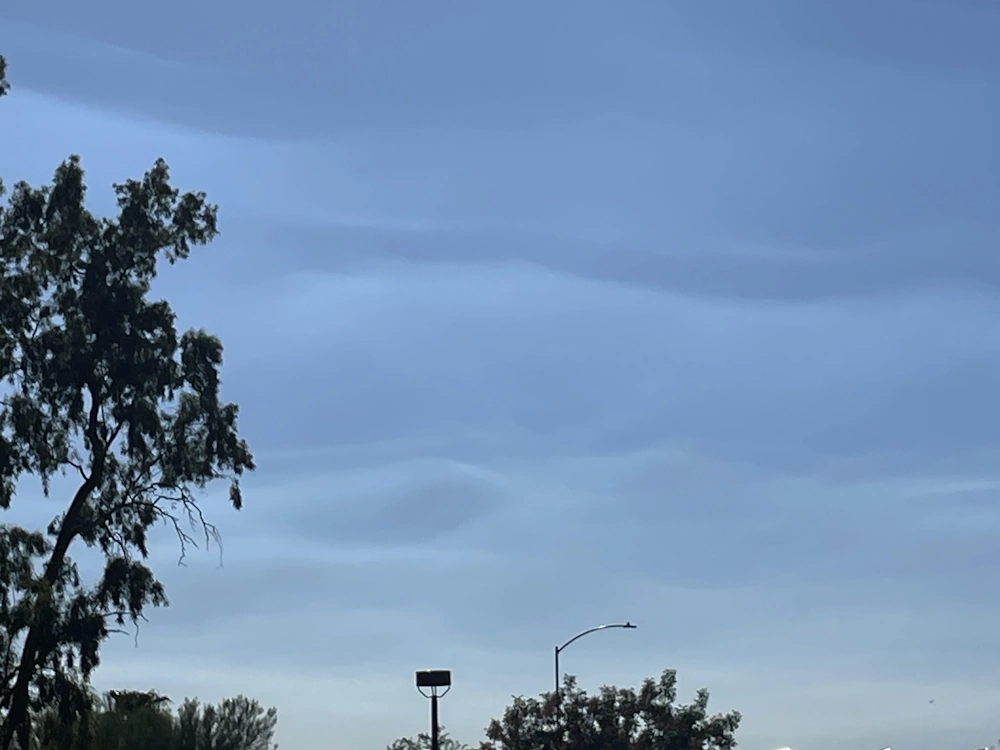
x: 434, y: 678
x: 629, y: 625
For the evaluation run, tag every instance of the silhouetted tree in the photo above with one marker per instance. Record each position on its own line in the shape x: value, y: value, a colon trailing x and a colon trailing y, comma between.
x: 96, y: 383
x: 133, y: 720
x: 56, y: 730
x: 423, y: 742
x: 131, y: 700
x: 614, y: 719
x: 238, y: 723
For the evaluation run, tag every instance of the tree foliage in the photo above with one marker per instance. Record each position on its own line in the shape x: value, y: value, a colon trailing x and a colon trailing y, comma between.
x: 238, y: 723
x: 133, y: 720
x: 128, y: 719
x: 423, y: 742
x: 96, y: 383
x: 614, y: 719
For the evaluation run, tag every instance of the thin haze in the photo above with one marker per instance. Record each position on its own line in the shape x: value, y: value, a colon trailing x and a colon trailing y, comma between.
x: 543, y: 315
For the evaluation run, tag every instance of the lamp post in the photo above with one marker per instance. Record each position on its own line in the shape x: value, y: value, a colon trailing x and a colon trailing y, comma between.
x: 560, y: 649
x: 433, y: 679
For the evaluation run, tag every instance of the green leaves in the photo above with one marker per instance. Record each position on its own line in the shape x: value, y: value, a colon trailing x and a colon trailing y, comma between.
x: 96, y: 383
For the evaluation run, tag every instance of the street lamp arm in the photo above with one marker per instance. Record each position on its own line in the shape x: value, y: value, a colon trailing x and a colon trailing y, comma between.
x: 594, y: 630
x: 627, y: 625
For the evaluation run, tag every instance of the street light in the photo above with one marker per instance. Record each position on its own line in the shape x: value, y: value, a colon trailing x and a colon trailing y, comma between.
x: 560, y: 649
x: 433, y: 679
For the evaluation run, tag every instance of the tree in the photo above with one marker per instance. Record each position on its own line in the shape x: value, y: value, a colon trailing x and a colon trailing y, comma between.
x: 241, y: 723
x: 133, y: 720
x: 615, y: 719
x: 131, y: 700
x: 187, y: 725
x: 120, y: 720
x: 423, y: 742
x: 52, y: 730
x: 238, y: 723
x: 97, y: 384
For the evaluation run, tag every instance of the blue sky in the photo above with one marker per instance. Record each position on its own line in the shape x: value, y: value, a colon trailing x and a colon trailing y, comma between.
x: 543, y: 315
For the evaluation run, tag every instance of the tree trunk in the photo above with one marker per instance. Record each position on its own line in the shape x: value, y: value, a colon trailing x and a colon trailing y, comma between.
x: 17, y: 716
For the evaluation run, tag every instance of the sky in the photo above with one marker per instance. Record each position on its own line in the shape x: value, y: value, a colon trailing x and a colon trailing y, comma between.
x: 546, y: 315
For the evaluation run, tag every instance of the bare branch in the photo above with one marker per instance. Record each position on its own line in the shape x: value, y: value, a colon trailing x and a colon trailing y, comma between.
x: 123, y: 613
x: 113, y: 435
x: 79, y: 468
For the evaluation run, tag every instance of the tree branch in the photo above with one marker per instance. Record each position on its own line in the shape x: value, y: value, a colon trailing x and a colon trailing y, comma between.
x: 79, y: 468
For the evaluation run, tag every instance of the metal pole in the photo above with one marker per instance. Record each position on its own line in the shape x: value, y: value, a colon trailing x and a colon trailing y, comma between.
x: 434, y: 721
x: 433, y: 679
x: 557, y: 669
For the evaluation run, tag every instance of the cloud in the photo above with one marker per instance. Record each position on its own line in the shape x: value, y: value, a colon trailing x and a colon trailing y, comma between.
x: 843, y: 378
x: 674, y: 316
x: 746, y: 580
x: 420, y: 501
x: 356, y: 67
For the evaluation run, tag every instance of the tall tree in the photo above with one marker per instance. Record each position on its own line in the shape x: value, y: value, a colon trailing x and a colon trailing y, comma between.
x: 614, y: 719
x: 96, y: 383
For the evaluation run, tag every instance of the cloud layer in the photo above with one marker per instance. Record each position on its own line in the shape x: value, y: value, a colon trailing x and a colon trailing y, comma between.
x: 546, y: 317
